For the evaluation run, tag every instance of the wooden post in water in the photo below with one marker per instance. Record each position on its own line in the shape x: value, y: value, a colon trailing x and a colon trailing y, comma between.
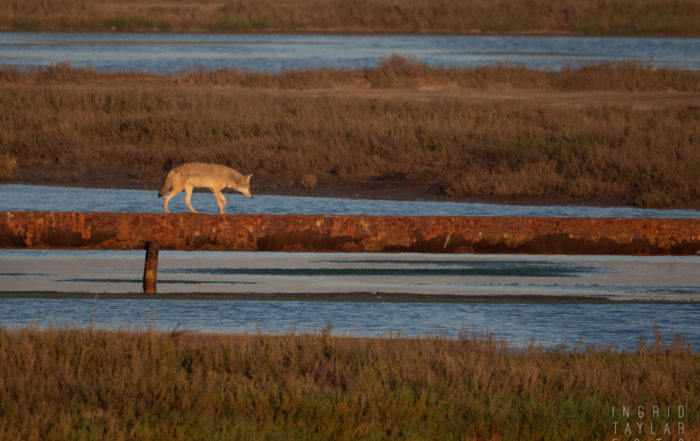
x: 150, y: 270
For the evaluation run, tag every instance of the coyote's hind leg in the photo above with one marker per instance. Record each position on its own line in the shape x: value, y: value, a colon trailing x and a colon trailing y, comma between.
x: 177, y: 187
x: 169, y: 196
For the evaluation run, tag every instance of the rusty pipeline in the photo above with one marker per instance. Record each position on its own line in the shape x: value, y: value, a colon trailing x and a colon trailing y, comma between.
x: 326, y: 233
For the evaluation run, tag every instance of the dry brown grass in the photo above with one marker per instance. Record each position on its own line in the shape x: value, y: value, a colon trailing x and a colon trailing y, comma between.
x: 593, y: 17
x: 76, y: 384
x: 620, y: 153
x: 391, y: 73
x: 8, y: 166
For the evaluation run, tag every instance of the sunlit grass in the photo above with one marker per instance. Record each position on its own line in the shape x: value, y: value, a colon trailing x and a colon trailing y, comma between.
x: 79, y: 384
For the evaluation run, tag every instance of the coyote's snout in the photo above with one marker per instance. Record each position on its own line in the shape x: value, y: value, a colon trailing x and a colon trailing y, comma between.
x: 199, y: 174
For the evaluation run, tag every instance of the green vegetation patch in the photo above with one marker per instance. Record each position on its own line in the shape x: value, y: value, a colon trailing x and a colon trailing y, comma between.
x: 90, y: 384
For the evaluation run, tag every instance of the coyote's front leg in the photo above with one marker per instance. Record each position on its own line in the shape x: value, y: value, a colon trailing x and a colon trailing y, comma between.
x: 188, y: 195
x: 220, y: 200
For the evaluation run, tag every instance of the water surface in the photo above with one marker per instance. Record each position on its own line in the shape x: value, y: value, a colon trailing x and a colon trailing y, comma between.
x: 47, y: 198
x: 170, y: 53
x: 549, y: 324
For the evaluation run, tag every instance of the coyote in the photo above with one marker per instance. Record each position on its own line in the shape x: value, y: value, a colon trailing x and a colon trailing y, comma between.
x: 200, y: 174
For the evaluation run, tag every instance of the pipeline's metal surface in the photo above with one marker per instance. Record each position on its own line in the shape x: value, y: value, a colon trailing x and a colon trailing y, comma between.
x: 422, y: 234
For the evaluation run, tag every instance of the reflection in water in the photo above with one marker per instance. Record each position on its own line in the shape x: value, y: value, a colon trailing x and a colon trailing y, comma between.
x: 621, y: 278
x: 408, y: 268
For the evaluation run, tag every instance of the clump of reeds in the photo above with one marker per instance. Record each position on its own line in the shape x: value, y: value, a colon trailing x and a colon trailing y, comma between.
x: 394, y: 72
x: 600, y: 17
x: 8, y: 166
x: 91, y: 384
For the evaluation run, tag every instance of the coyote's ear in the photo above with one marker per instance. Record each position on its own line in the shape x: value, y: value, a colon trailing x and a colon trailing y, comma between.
x: 248, y: 176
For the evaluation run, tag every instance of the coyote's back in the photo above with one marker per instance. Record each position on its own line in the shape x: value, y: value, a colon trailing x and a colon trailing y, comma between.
x: 200, y: 174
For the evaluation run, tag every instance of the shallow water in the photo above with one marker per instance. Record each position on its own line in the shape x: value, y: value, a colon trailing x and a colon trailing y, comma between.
x: 619, y: 278
x: 274, y: 53
x: 46, y: 198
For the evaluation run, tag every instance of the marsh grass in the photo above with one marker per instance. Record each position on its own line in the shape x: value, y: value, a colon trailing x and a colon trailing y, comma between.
x: 394, y: 72
x: 8, y: 166
x: 596, y: 17
x: 76, y: 119
x: 66, y: 383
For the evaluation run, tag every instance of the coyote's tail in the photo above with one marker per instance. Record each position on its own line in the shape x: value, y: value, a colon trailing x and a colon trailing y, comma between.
x: 167, y: 184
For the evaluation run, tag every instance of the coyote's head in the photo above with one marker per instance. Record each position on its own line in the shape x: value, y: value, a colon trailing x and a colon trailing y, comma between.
x: 243, y: 185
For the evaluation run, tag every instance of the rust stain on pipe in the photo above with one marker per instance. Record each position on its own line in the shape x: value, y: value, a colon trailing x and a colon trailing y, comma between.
x: 421, y: 234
